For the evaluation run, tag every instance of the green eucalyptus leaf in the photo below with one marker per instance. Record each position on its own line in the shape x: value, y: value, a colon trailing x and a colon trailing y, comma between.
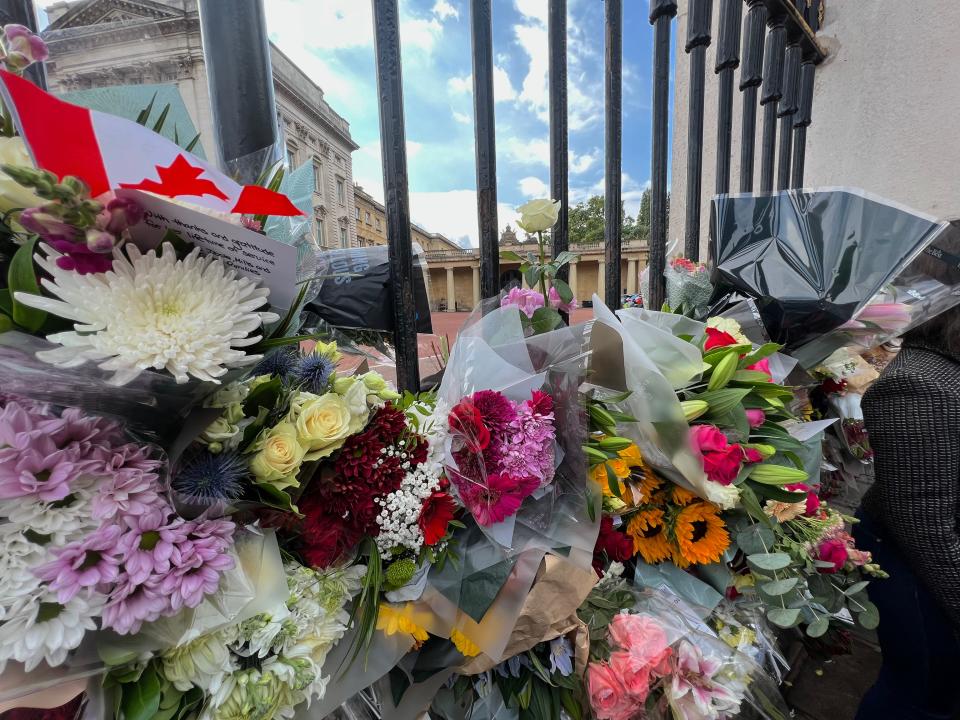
x: 856, y: 587
x: 783, y: 617
x: 780, y: 587
x: 818, y: 627
x: 769, y: 561
x: 756, y: 539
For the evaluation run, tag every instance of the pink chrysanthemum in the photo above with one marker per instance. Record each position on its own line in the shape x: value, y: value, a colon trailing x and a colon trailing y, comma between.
x: 150, y: 543
x: 133, y: 603
x: 39, y: 470
x: 86, y: 564
x: 196, y: 568
x: 128, y: 492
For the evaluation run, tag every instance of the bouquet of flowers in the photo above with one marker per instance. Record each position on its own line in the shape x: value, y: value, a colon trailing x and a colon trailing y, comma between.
x: 90, y: 540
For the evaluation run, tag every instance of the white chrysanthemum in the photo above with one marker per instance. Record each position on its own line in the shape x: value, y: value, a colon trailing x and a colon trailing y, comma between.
x: 46, y: 630
x: 189, y: 317
x: 63, y: 520
x: 205, y: 662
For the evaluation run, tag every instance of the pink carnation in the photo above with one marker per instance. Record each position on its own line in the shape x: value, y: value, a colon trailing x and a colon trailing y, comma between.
x: 554, y: 300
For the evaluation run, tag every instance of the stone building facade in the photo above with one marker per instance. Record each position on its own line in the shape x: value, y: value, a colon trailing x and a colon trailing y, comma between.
x: 103, y: 43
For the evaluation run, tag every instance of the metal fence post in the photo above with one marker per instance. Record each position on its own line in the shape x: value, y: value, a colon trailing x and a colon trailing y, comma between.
x: 698, y: 39
x: 613, y: 148
x: 236, y: 52
x: 557, y: 40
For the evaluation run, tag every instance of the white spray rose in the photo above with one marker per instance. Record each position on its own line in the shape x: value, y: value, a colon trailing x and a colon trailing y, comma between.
x: 538, y: 215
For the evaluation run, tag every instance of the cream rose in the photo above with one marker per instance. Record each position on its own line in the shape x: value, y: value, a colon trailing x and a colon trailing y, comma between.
x: 323, y: 423
x: 538, y: 215
x: 279, y: 456
x: 13, y: 151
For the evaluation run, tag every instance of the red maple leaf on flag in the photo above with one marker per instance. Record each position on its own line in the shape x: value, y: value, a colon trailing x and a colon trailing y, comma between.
x: 179, y: 178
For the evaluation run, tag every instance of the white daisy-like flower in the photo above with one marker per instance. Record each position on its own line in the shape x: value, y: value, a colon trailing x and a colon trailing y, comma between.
x: 63, y: 521
x: 190, y: 317
x: 18, y: 558
x: 46, y: 630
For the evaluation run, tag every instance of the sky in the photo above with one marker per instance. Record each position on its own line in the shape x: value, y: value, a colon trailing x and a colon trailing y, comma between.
x: 332, y: 41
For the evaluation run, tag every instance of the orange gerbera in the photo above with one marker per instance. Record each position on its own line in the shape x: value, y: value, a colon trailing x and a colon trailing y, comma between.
x: 700, y: 533
x: 649, y: 535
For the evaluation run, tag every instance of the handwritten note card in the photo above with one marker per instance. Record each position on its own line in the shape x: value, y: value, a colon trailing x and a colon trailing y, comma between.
x: 251, y: 254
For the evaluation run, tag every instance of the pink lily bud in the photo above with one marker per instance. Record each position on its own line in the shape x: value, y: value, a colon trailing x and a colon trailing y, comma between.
x: 47, y: 225
x: 100, y: 241
x: 755, y: 417
x: 23, y: 47
x: 124, y: 214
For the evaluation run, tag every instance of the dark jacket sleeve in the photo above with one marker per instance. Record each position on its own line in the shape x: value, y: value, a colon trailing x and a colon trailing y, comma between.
x: 914, y: 428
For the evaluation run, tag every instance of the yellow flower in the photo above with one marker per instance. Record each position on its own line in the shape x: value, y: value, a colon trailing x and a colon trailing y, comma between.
x: 279, y: 456
x: 598, y: 474
x: 323, y: 423
x: 631, y: 456
x: 649, y: 535
x: 392, y: 621
x: 464, y: 644
x: 327, y: 350
x: 681, y: 496
x: 701, y: 535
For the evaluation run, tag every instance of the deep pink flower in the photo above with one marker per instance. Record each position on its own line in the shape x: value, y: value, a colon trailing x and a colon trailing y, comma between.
x: 132, y: 603
x: 755, y: 417
x: 554, y: 300
x: 718, y: 338
x: 85, y: 564
x: 498, y: 499
x: 80, y: 258
x: 643, y: 638
x: 466, y: 423
x: 751, y: 455
x: 832, y: 551
x: 813, y: 501
x: 528, y: 446
x: 762, y: 366
x: 707, y: 438
x: 523, y: 299
x: 120, y: 214
x: 495, y: 409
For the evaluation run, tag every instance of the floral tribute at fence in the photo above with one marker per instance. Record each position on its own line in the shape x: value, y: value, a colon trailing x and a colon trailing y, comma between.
x: 211, y: 509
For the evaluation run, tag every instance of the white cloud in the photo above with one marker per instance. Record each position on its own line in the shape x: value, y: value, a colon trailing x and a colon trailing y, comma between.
x: 462, y: 118
x: 454, y: 214
x: 579, y: 164
x: 420, y: 33
x: 534, y: 187
x: 533, y: 10
x: 345, y: 23
x: 534, y: 91
x: 503, y: 90
x: 528, y: 152
x: 443, y: 10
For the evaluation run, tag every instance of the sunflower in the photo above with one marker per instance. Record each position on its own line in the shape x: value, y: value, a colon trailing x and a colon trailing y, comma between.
x: 646, y: 484
x: 701, y: 535
x: 649, y: 535
x: 681, y: 496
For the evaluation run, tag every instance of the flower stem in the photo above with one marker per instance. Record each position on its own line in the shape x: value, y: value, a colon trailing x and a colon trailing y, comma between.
x: 543, y: 262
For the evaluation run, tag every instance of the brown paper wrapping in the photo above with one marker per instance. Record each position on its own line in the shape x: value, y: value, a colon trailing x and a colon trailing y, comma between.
x: 549, y: 611
x: 861, y: 378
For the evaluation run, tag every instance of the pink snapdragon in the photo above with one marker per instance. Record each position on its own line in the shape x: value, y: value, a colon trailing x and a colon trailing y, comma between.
x: 23, y: 47
x: 523, y: 299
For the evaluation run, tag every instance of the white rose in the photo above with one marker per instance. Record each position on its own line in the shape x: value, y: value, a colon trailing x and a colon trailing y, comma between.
x: 538, y: 215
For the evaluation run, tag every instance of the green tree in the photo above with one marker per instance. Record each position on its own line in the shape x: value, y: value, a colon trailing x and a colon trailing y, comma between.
x: 586, y: 221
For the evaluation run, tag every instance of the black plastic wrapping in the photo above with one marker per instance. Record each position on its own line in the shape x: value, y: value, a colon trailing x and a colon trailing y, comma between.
x: 813, y: 259
x: 356, y: 292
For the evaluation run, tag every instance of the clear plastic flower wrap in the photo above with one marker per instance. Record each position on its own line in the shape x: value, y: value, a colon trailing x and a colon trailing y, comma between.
x: 833, y: 267
x: 96, y: 563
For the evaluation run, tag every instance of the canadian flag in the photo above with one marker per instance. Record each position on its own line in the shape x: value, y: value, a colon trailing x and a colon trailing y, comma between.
x: 109, y: 152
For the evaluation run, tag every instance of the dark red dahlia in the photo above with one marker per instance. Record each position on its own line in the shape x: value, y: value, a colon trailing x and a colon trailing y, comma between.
x: 497, y: 412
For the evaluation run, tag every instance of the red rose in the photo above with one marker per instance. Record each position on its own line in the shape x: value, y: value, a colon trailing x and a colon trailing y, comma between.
x: 718, y: 338
x: 813, y: 502
x: 832, y: 551
x: 435, y: 515
x: 707, y: 438
x: 465, y: 420
x: 617, y: 546
x: 723, y: 467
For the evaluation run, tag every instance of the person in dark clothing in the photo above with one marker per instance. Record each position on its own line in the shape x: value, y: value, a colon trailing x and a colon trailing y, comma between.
x: 909, y: 521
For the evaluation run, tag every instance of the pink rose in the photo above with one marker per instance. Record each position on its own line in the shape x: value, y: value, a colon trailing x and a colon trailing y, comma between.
x: 723, y: 467
x: 707, y: 438
x: 813, y: 502
x: 832, y: 551
x: 641, y: 636
x: 554, y: 300
x: 756, y: 418
x: 608, y: 698
x: 525, y: 300
x: 762, y: 366
x: 634, y: 675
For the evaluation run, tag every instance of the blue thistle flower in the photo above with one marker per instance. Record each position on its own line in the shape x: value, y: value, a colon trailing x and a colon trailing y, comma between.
x: 313, y: 372
x: 208, y: 478
x: 279, y: 363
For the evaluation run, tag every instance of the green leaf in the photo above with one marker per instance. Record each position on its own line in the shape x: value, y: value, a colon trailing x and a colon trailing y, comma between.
x: 856, y: 587
x: 769, y: 561
x: 158, y: 125
x: 144, y: 114
x: 722, y: 401
x: 532, y: 275
x: 772, y: 492
x: 563, y: 290
x: 780, y: 587
x: 510, y: 256
x: 545, y: 319
x: 752, y: 506
x: 764, y: 351
x: 6, y: 302
x: 6, y: 324
x: 141, y: 700
x: 869, y: 619
x: 22, y: 277
x: 193, y: 143
x: 750, y: 376
x: 755, y: 540
x: 818, y: 627
x: 784, y: 617
x: 613, y: 481
x: 263, y: 395
x: 565, y: 257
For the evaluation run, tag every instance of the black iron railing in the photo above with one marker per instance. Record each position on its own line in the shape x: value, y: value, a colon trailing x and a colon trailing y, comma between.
x: 779, y: 52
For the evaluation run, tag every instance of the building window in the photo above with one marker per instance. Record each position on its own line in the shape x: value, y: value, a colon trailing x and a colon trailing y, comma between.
x: 321, y: 241
x: 341, y: 194
x: 356, y: 213
x: 317, y: 176
x: 378, y: 223
x: 368, y: 218
x: 291, y: 156
x: 339, y: 161
x: 343, y: 237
